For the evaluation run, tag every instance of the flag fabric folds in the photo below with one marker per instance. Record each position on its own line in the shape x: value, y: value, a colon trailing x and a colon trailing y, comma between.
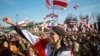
x: 51, y: 15
x: 64, y: 26
x: 58, y: 4
x: 73, y: 22
x: 23, y: 23
x: 48, y: 3
x: 83, y: 20
x: 36, y: 42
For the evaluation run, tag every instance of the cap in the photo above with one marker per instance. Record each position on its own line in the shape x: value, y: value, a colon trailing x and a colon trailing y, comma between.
x: 60, y: 31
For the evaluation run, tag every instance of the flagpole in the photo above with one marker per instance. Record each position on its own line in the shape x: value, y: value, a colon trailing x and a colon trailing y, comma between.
x: 17, y: 19
x: 52, y: 12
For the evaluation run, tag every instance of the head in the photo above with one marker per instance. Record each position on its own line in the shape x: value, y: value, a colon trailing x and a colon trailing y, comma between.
x: 57, y: 35
x: 5, y: 44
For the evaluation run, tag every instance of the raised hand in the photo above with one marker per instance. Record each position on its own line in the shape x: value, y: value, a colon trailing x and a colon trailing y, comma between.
x: 8, y: 20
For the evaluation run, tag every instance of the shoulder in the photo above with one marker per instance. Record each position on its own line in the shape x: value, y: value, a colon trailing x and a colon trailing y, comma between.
x: 65, y: 53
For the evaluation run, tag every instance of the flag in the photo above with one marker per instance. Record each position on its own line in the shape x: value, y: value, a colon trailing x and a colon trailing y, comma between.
x: 75, y: 28
x: 60, y: 4
x: 44, y: 25
x: 64, y: 26
x: 49, y: 27
x: 51, y: 15
x: 36, y: 29
x: 73, y: 22
x: 36, y: 42
x: 76, y: 6
x: 49, y: 4
x: 78, y: 24
x: 83, y: 20
x: 23, y: 23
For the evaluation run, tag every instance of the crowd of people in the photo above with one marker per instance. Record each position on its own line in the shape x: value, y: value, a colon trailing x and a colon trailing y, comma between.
x: 56, y: 42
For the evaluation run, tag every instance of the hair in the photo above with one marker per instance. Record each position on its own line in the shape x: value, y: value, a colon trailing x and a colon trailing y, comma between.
x: 62, y: 43
x: 61, y: 32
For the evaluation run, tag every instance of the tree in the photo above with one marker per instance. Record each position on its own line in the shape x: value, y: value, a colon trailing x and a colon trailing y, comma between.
x: 98, y: 21
x: 96, y: 17
x: 68, y: 18
x: 30, y: 25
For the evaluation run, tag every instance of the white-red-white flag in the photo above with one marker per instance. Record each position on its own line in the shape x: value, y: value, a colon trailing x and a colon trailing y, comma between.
x: 60, y: 4
x: 51, y: 15
x: 64, y: 26
x: 38, y: 43
x: 83, y: 20
x: 75, y: 28
x: 73, y: 22
x: 44, y: 25
x: 23, y: 23
x: 49, y: 27
x: 49, y: 4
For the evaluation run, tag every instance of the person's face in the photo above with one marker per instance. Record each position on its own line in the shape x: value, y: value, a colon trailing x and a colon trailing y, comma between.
x: 54, y: 38
x: 5, y: 44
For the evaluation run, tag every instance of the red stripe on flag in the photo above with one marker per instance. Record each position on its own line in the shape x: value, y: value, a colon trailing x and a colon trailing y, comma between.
x: 48, y: 2
x: 22, y: 24
x: 60, y: 3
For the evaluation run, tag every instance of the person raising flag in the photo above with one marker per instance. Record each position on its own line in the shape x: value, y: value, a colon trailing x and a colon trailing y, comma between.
x: 43, y: 46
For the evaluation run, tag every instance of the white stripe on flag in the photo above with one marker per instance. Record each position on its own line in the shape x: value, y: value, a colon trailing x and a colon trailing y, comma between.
x: 31, y: 38
x: 60, y: 4
x: 49, y: 4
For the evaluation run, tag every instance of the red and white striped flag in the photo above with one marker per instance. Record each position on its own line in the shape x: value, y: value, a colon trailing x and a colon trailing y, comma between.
x: 23, y: 23
x: 78, y: 24
x: 49, y: 4
x: 49, y: 27
x: 51, y: 15
x: 83, y: 20
x: 60, y: 4
x: 73, y: 22
x: 64, y: 26
x: 44, y: 25
x: 75, y: 28
x: 36, y: 42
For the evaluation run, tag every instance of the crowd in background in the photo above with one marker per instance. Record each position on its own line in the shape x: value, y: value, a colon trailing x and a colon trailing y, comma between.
x: 82, y: 44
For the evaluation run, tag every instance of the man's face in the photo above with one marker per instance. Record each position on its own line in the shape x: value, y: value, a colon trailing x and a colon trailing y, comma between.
x: 54, y: 38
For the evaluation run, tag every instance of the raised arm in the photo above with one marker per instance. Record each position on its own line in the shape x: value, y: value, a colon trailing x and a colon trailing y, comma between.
x: 18, y: 30
x: 24, y: 33
x: 33, y: 39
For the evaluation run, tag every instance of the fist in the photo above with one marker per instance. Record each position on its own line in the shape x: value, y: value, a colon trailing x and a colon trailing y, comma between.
x: 7, y: 20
